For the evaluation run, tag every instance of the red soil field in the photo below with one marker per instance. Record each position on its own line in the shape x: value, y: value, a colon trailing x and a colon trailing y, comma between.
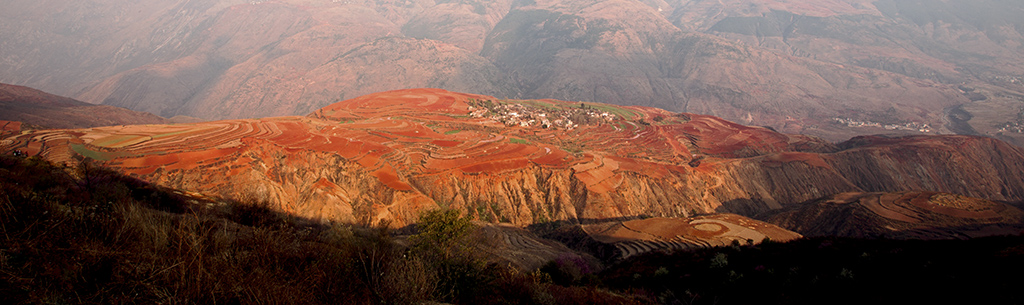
x: 393, y: 150
x: 9, y: 128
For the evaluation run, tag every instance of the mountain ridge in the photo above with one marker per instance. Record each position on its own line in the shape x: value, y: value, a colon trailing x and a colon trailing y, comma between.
x: 769, y: 63
x: 44, y: 110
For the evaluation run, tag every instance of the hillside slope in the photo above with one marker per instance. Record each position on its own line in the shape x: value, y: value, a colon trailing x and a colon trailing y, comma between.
x: 34, y: 107
x: 906, y: 215
x: 390, y: 155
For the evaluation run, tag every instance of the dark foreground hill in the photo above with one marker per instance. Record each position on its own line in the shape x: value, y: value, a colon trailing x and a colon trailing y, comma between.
x: 90, y: 236
x: 85, y: 235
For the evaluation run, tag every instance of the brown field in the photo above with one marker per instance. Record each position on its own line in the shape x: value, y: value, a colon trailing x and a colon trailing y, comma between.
x: 8, y: 128
x: 635, y: 237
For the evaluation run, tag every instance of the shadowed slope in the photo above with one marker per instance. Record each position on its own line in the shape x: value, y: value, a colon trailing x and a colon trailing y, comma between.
x: 907, y: 215
x: 38, y: 108
x: 636, y: 237
x: 390, y: 155
x: 518, y: 247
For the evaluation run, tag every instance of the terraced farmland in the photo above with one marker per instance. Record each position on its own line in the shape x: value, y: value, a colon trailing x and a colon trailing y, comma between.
x: 518, y: 247
x: 390, y: 155
x: 640, y: 236
x: 905, y: 215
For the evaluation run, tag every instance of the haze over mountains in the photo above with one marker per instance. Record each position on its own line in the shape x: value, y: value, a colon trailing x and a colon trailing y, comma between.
x: 827, y: 68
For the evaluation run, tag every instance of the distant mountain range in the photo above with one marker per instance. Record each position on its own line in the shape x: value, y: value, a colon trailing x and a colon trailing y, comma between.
x: 833, y: 69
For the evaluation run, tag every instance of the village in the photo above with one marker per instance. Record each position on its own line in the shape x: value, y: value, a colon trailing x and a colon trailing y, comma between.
x: 525, y: 115
x: 908, y: 126
x: 1014, y: 126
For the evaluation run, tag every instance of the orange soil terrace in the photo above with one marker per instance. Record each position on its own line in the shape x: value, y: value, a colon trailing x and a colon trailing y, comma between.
x: 420, y: 131
x: 914, y: 207
x: 401, y: 138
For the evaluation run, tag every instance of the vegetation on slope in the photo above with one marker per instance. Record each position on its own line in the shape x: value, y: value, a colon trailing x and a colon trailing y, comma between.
x: 88, y: 235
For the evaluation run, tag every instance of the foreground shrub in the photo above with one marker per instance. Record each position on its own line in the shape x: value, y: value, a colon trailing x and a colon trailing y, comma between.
x: 443, y: 240
x: 570, y: 269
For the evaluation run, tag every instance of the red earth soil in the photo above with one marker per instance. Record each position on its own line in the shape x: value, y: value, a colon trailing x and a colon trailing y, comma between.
x: 390, y: 155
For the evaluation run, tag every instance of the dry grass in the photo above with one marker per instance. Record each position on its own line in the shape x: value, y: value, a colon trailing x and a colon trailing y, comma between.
x: 91, y: 236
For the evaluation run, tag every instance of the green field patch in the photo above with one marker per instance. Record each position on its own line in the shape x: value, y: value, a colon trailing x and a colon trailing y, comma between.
x: 120, y: 141
x: 626, y: 126
x: 92, y: 154
x: 616, y: 110
x: 518, y: 141
x: 451, y: 132
x: 670, y: 121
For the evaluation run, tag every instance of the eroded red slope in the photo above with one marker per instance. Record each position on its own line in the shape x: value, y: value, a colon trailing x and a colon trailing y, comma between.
x: 390, y: 155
